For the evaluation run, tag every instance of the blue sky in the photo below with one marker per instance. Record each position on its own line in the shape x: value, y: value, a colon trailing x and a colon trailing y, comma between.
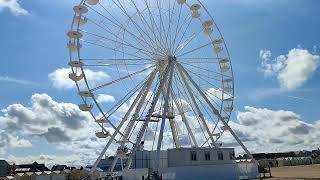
x: 33, y: 45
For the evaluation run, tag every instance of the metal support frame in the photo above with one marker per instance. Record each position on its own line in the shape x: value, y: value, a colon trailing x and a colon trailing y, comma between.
x: 142, y: 97
x: 174, y: 133
x: 196, y: 105
x: 164, y: 114
x: 149, y: 114
x: 184, y: 119
x: 172, y: 125
x: 215, y: 111
x: 124, y: 119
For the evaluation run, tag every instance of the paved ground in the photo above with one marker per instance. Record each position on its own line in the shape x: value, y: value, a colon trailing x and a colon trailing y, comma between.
x: 310, y: 172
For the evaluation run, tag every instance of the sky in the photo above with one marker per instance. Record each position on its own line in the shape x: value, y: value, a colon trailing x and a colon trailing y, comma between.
x: 275, y: 52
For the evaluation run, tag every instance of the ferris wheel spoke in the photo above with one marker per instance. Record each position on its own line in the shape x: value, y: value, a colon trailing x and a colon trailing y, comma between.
x: 116, y: 36
x: 203, y: 59
x: 116, y: 59
x: 138, y: 28
x: 195, y: 49
x: 184, y: 31
x: 187, y: 41
x: 207, y: 70
x: 122, y: 64
x: 197, y: 62
x: 113, y: 49
x: 146, y: 52
x: 154, y: 25
x: 162, y: 29
x: 125, y: 98
x: 120, y: 79
x: 180, y: 30
x: 200, y: 76
x: 199, y: 88
x: 147, y: 24
x: 177, y: 27
x: 171, y: 12
x: 142, y: 41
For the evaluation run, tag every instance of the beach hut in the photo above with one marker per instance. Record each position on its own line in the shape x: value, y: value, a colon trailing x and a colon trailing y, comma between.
x: 299, y: 161
x: 44, y: 176
x: 66, y: 173
x: 316, y: 161
x: 294, y: 161
x: 7, y: 178
x: 27, y: 176
x: 18, y: 176
x: 74, y: 174
x: 57, y: 175
x: 281, y: 162
x: 286, y: 162
x: 307, y: 160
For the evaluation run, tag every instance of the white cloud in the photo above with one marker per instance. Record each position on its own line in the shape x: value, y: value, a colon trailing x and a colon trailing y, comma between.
x: 58, y: 123
x: 49, y: 160
x: 292, y: 70
x: 265, y: 130
x: 17, y: 81
x: 46, y: 118
x: 105, y: 98
x: 13, y: 6
x: 20, y: 143
x: 7, y: 140
x: 72, y: 130
x: 60, y: 79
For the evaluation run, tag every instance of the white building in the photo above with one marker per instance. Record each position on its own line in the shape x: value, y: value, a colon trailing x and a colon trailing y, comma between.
x: 191, y: 164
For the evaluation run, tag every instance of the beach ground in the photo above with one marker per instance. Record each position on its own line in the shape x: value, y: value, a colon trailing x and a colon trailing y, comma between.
x: 308, y: 172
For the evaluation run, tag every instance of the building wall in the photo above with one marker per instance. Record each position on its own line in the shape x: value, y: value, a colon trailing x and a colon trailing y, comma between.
x: 145, y: 159
x: 182, y: 156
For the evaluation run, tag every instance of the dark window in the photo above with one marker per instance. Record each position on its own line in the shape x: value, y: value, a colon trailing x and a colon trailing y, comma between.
x: 232, y: 156
x: 220, y: 155
x: 193, y: 156
x: 207, y: 156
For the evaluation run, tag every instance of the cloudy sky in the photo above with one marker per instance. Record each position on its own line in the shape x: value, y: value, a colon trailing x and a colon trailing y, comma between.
x: 275, y: 51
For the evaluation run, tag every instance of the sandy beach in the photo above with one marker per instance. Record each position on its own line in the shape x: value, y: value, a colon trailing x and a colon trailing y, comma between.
x: 308, y: 172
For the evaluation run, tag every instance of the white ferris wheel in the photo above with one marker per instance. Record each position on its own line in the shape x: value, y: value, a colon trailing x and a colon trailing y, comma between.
x: 168, y: 68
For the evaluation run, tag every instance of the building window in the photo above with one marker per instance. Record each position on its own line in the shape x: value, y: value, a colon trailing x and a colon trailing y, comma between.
x: 220, y: 155
x: 232, y: 156
x: 207, y: 156
x: 193, y: 156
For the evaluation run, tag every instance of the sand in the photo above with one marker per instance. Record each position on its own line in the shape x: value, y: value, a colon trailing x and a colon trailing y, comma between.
x: 308, y: 172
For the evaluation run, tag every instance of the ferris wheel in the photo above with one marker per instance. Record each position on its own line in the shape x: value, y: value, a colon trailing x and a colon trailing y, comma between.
x: 166, y: 66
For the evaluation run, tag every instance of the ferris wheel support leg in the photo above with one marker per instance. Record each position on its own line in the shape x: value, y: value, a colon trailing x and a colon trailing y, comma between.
x: 149, y: 114
x: 152, y: 75
x: 196, y: 105
x: 138, y: 108
x: 184, y: 119
x: 164, y: 117
x: 141, y: 97
x: 174, y: 133
x: 216, y: 112
x: 173, y: 127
